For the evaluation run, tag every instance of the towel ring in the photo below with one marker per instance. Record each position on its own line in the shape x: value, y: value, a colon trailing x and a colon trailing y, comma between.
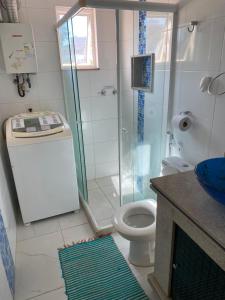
x: 211, y: 83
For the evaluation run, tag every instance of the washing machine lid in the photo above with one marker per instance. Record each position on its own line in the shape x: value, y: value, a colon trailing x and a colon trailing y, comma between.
x: 36, y: 124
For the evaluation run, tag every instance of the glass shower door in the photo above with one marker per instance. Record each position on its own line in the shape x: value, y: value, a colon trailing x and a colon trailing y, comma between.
x: 125, y: 104
x: 142, y: 112
x: 71, y: 94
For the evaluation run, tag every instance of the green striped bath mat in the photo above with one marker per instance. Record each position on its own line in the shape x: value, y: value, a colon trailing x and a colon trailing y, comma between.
x: 96, y: 270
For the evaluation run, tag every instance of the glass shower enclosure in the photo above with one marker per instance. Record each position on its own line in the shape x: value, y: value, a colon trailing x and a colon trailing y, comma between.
x: 144, y: 38
x: 72, y: 102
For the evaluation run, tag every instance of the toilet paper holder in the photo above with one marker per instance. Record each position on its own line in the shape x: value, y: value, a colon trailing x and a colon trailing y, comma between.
x: 183, y: 121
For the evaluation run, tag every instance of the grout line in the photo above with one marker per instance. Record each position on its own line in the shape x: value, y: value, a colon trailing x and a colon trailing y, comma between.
x: 48, y: 292
x: 108, y: 199
x: 60, y: 229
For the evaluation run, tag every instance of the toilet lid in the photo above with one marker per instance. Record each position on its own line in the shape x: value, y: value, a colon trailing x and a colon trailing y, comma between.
x: 121, y: 226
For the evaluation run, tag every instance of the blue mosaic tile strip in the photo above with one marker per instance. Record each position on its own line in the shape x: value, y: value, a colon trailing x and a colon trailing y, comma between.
x: 7, y: 257
x: 147, y: 70
x: 141, y: 94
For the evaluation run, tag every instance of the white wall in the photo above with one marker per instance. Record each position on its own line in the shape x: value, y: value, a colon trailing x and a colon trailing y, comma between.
x: 99, y: 113
x: 198, y: 54
x: 46, y: 93
x: 7, y: 207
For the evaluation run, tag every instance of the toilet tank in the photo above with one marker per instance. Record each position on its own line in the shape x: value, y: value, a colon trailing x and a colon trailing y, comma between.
x: 174, y: 164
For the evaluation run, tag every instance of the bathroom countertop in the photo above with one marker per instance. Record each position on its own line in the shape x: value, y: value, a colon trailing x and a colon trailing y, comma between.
x: 185, y: 193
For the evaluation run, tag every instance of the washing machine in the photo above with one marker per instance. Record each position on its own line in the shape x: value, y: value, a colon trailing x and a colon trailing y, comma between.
x: 40, y: 146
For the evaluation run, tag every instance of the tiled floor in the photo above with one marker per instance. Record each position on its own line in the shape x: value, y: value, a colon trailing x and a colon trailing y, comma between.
x: 38, y: 275
x: 103, y: 198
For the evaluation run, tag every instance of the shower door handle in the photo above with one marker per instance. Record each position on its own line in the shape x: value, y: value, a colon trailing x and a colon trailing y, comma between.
x: 124, y: 130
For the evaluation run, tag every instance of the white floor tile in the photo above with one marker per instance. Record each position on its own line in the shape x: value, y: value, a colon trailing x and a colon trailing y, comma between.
x: 99, y: 205
x: 53, y: 295
x: 46, y: 226
x: 37, y: 228
x: 24, y: 232
x: 105, y: 222
x: 108, y: 181
x: 92, y: 184
x: 112, y: 195
x: 72, y: 219
x: 37, y: 266
x: 77, y: 233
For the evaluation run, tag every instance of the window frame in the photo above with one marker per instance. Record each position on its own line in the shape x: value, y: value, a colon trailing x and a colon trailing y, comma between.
x: 90, y: 13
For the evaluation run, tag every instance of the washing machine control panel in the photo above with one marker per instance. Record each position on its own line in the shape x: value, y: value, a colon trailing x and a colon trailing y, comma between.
x: 36, y: 125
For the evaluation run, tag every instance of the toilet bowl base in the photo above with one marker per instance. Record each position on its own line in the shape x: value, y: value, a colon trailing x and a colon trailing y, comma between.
x: 140, y: 252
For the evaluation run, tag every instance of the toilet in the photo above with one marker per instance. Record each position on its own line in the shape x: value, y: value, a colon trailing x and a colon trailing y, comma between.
x: 136, y: 221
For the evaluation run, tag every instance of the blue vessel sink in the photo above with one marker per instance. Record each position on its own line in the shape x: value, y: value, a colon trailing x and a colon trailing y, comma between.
x: 211, y: 176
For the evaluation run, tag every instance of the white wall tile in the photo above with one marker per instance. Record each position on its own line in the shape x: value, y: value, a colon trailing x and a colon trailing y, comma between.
x: 89, y: 154
x: 107, y: 169
x: 106, y: 152
x: 90, y: 171
x: 107, y: 55
x: 101, y: 78
x: 126, y: 17
x: 23, y: 15
x: 87, y: 133
x: 205, y: 9
x: 85, y: 106
x: 126, y: 52
x: 99, y: 113
x: 43, y: 22
x: 46, y: 92
x: 57, y: 105
x: 157, y: 96
x: 47, y: 56
x: 9, y: 92
x: 217, y: 142
x: 192, y: 99
x: 105, y: 130
x: 11, y: 109
x: 50, y: 85
x: 84, y: 83
x: 194, y: 143
x: 106, y: 19
x: 38, y: 4
x: 68, y: 3
x: 201, y: 10
x: 201, y: 50
x: 104, y: 107
x: 199, y: 54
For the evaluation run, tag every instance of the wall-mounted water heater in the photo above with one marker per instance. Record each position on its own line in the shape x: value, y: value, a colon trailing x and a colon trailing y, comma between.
x: 18, y: 52
x: 18, y: 49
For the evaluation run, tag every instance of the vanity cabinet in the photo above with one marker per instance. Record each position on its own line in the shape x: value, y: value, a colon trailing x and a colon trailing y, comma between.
x: 195, y: 275
x: 190, y: 241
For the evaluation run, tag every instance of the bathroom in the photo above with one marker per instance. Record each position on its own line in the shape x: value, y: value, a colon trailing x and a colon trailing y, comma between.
x: 117, y: 158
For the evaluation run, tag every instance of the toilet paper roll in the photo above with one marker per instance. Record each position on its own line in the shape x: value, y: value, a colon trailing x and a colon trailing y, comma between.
x: 183, y: 121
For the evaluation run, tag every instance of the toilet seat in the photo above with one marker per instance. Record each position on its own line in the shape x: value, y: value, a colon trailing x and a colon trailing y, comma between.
x: 133, y: 233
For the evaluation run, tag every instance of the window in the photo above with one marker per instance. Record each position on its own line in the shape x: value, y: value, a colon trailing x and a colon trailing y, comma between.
x: 84, y: 38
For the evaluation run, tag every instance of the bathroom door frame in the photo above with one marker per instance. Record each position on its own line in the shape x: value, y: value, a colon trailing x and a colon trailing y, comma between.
x: 118, y: 5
